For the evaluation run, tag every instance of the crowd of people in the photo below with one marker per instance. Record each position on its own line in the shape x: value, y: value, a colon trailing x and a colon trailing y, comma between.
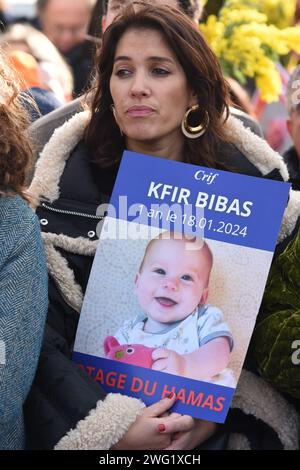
x: 64, y: 126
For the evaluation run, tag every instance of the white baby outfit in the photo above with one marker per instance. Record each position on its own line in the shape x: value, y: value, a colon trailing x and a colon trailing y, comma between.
x: 203, y: 325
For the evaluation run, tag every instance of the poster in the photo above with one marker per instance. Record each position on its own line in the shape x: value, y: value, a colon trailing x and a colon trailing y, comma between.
x: 177, y: 282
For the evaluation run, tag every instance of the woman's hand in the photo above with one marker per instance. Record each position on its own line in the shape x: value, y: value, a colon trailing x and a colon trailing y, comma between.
x: 153, y: 430
x: 188, y: 440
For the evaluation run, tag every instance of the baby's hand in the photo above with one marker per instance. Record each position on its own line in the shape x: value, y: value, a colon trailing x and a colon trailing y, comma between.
x: 165, y: 360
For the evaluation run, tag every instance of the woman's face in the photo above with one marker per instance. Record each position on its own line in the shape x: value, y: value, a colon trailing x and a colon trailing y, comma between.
x: 149, y: 90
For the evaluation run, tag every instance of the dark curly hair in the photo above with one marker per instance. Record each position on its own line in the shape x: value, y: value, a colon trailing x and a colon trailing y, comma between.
x: 202, y: 71
x: 15, y: 149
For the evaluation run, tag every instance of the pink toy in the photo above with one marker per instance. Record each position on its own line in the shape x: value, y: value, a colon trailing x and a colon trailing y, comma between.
x: 135, y: 354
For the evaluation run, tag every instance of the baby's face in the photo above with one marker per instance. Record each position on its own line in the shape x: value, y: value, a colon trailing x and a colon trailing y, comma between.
x: 173, y: 281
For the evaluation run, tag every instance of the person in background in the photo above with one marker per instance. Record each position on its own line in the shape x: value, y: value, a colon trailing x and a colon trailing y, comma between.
x: 53, y: 73
x: 31, y: 85
x: 292, y: 155
x: 66, y: 23
x: 112, y: 8
x: 5, y: 17
x: 23, y: 271
x: 272, y: 116
x: 274, y: 341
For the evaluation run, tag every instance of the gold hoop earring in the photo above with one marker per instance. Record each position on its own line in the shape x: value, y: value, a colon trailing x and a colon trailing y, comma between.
x: 194, y: 132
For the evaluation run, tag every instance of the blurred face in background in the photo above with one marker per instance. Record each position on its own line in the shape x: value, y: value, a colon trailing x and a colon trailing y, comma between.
x: 114, y: 7
x: 65, y: 22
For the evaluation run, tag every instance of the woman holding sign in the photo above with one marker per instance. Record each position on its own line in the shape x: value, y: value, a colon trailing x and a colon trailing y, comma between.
x: 159, y: 91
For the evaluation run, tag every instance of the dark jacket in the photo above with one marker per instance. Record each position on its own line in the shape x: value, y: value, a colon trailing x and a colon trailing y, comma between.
x: 69, y: 189
x: 5, y: 20
x: 292, y: 162
x: 80, y: 59
x: 45, y: 101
